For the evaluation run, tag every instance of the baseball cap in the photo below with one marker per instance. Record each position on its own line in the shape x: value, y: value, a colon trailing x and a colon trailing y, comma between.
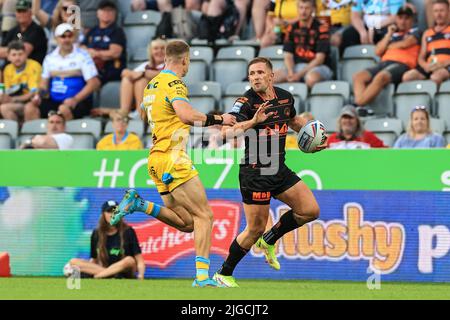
x: 23, y: 5
x: 63, y: 28
x: 405, y: 11
x: 109, y: 205
x: 107, y: 4
x: 349, y: 110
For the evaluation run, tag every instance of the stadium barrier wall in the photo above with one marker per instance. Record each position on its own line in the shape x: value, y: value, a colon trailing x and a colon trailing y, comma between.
x: 384, y: 213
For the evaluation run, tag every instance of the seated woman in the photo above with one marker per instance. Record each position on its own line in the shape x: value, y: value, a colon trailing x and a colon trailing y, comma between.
x: 121, y: 139
x: 115, y: 251
x: 134, y: 81
x: 419, y: 134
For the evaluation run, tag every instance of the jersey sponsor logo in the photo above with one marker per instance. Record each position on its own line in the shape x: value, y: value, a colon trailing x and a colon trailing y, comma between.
x: 283, y: 101
x: 153, y: 85
x: 153, y: 171
x: 275, y: 130
x: 175, y: 82
x: 261, y: 196
x: 162, y: 245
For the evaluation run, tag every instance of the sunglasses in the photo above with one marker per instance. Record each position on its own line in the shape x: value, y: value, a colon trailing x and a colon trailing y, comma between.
x: 55, y: 113
x: 423, y: 108
x: 65, y: 36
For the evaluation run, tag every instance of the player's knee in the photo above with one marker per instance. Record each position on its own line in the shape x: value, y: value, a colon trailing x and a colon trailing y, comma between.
x: 74, y: 261
x: 382, y: 78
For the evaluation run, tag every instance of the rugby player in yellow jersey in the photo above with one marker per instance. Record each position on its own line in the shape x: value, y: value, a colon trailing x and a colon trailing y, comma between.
x: 167, y: 109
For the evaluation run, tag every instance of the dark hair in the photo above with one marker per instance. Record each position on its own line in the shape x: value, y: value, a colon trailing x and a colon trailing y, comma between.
x: 102, y: 229
x: 260, y: 60
x: 16, y: 45
x: 441, y: 2
x: 176, y: 49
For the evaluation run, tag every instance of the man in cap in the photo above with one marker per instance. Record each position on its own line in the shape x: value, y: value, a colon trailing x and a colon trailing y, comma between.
x: 351, y: 134
x: 69, y: 78
x: 399, y: 50
x: 27, y: 31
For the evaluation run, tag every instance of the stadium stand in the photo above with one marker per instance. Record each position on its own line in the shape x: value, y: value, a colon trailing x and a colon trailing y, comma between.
x: 140, y: 28
x: 300, y: 92
x: 356, y: 58
x: 230, y: 64
x: 110, y: 95
x: 85, y: 133
x: 9, y: 130
x: 327, y: 99
x: 387, y: 129
x: 205, y: 96
x: 275, y: 54
x: 201, y: 59
x: 442, y: 103
x: 438, y: 125
x: 383, y: 104
x: 411, y: 94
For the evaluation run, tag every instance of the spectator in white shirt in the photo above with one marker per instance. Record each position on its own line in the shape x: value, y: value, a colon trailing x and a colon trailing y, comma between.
x: 56, y: 138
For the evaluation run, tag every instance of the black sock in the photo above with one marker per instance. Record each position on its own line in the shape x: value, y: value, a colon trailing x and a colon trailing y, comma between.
x: 236, y: 254
x: 287, y: 223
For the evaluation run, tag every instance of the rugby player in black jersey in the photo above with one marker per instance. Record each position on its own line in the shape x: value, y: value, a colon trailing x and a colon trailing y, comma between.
x: 265, y: 114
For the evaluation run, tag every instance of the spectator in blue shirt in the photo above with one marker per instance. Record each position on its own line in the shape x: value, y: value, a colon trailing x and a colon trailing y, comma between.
x: 419, y: 133
x: 370, y: 19
x: 106, y: 43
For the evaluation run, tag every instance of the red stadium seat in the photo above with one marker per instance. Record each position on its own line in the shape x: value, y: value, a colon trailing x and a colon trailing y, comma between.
x: 5, y: 270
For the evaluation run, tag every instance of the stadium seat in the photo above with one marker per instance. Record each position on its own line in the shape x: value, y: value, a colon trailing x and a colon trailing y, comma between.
x: 411, y: 94
x: 327, y: 99
x: 139, y: 55
x: 198, y: 72
x: 135, y: 126
x: 447, y: 136
x: 230, y: 64
x: 356, y: 58
x: 232, y: 92
x: 387, y: 129
x: 201, y: 59
x: 383, y: 104
x: 438, y: 125
x: 202, y: 53
x: 205, y: 96
x: 110, y: 95
x: 236, y: 53
x: 140, y: 27
x: 275, y: 54
x: 300, y: 92
x: 85, y: 132
x: 227, y: 71
x: 8, y: 133
x: 442, y: 99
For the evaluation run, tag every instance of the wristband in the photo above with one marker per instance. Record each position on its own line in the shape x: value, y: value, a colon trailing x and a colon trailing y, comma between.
x: 212, y: 120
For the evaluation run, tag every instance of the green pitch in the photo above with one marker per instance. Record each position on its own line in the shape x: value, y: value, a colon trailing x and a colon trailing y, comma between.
x: 179, y: 289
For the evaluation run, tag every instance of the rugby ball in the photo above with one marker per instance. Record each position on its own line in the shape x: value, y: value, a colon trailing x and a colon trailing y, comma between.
x: 312, y: 134
x: 68, y: 270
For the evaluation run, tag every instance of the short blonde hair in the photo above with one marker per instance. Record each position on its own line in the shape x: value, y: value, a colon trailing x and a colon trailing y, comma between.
x: 410, y: 129
x: 154, y: 43
x: 176, y: 50
x: 118, y: 113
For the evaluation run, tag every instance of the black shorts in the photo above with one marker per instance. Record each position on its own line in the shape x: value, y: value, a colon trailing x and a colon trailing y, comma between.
x: 259, y: 189
x: 81, y: 110
x: 427, y: 74
x: 395, y: 69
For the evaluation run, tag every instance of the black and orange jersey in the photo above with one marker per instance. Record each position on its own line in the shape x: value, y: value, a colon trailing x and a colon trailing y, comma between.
x: 408, y: 55
x: 304, y: 42
x: 438, y: 44
x: 266, y: 143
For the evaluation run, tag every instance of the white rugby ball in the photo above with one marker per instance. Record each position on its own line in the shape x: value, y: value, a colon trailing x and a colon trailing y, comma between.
x: 312, y: 134
x: 68, y: 270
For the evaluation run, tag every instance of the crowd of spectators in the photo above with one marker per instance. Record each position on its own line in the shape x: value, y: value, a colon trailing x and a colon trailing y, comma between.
x: 53, y: 64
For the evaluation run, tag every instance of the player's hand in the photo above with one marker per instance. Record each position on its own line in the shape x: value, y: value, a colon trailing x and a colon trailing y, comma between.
x: 324, y: 145
x: 228, y: 119
x: 261, y: 115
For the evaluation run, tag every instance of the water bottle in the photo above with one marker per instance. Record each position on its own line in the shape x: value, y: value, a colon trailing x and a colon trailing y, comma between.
x: 2, y: 88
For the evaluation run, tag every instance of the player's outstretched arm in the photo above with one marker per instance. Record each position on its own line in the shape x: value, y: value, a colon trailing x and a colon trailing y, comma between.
x: 297, y: 123
x: 190, y: 116
x: 239, y: 128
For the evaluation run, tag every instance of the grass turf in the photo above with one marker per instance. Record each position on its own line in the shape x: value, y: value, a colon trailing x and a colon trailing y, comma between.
x: 179, y: 289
